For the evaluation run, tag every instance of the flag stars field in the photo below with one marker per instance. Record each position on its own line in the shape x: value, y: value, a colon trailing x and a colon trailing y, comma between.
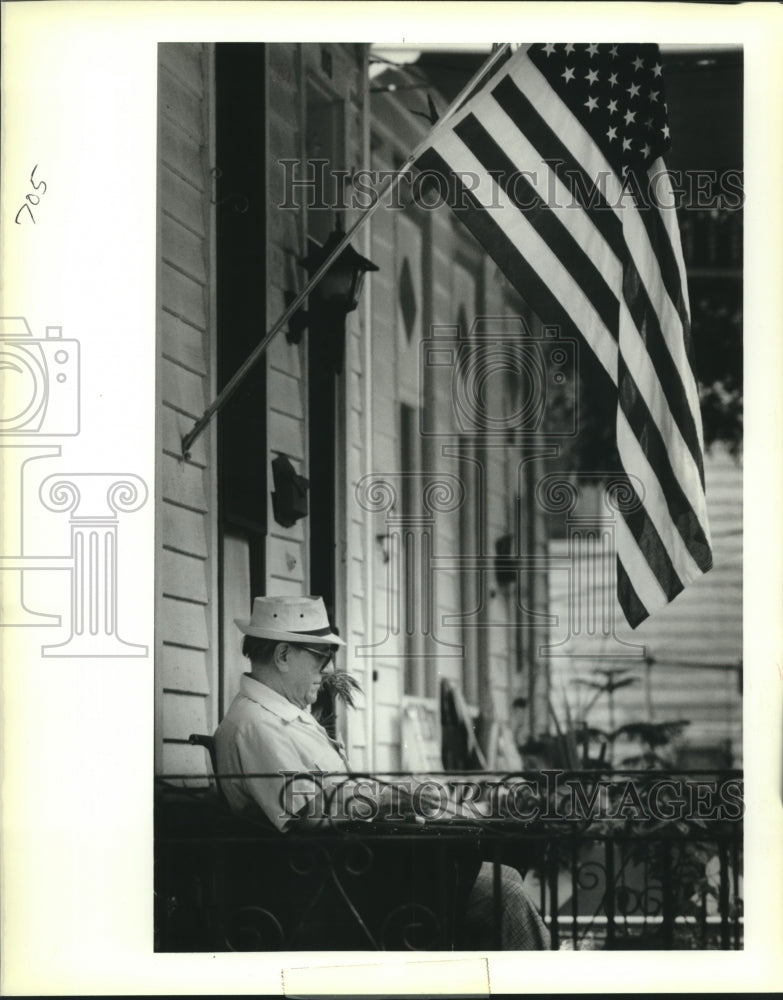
x: 608, y: 80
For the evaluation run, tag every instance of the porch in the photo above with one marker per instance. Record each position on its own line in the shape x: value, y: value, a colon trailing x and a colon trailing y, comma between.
x: 611, y: 863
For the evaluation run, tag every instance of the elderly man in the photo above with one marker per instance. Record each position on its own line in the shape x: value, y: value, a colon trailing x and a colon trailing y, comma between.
x: 268, y: 729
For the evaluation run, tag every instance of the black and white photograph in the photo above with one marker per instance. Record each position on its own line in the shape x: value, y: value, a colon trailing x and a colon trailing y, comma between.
x: 396, y: 584
x: 449, y: 571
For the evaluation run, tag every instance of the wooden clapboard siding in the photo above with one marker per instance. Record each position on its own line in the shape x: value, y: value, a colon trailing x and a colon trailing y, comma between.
x: 282, y: 586
x: 185, y: 391
x: 181, y: 154
x: 286, y: 554
x: 183, y: 63
x: 183, y: 714
x: 182, y: 201
x: 184, y: 623
x: 182, y: 343
x: 186, y: 667
x: 186, y: 670
x: 287, y: 434
x: 182, y: 576
x: 285, y: 394
x: 180, y: 103
x: 174, y: 426
x: 184, y: 530
x: 185, y: 297
x: 184, y: 484
x: 183, y: 248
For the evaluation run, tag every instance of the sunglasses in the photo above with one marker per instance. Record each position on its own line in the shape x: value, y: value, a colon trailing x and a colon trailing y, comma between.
x: 326, y: 655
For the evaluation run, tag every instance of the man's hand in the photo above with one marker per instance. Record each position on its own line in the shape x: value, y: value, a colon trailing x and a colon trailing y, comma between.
x: 418, y: 800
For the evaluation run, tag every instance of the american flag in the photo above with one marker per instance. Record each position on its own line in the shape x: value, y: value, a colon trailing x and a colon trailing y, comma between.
x: 555, y: 165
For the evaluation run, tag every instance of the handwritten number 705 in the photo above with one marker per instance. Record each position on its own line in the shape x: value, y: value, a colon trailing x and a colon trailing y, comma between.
x: 32, y: 199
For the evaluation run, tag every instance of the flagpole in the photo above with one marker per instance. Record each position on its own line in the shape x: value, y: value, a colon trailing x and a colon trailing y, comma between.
x: 238, y: 377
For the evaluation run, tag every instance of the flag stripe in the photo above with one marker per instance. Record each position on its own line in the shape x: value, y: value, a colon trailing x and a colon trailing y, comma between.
x: 644, y: 455
x: 553, y: 192
x: 668, y: 376
x: 644, y: 255
x: 638, y: 545
x: 559, y: 159
x: 633, y: 609
x: 503, y: 251
x: 659, y: 239
x: 542, y: 219
x: 522, y: 246
x: 638, y: 363
x: 650, y: 544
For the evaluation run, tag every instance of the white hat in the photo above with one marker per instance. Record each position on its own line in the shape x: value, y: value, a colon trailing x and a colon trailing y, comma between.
x: 290, y: 619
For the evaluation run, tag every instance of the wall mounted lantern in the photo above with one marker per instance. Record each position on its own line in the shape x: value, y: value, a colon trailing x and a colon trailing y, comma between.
x: 335, y: 295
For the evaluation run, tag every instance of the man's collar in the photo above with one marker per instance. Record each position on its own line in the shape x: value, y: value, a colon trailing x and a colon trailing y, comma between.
x: 263, y: 694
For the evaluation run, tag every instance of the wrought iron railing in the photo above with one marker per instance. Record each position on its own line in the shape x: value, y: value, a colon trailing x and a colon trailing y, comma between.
x: 620, y: 860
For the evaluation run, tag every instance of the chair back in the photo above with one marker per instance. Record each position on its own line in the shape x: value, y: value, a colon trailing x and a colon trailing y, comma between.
x: 208, y: 742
